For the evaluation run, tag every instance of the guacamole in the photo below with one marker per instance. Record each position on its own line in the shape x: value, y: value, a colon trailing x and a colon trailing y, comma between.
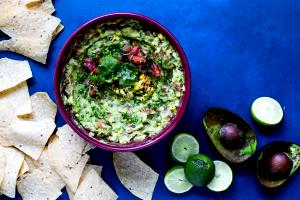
x: 123, y: 83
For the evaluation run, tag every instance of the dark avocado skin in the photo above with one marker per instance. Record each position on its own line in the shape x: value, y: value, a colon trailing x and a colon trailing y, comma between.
x: 290, y: 149
x: 214, y: 119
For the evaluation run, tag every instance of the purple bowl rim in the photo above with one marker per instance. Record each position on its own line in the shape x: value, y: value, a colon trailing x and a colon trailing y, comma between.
x: 167, y: 130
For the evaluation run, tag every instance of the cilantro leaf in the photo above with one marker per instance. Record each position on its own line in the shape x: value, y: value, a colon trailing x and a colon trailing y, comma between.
x: 108, y: 65
x: 127, y: 75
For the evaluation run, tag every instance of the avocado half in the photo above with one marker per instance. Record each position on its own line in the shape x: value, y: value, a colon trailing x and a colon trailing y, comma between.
x: 290, y: 149
x: 214, y: 119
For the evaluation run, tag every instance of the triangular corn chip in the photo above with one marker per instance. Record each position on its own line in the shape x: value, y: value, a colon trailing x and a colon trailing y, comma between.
x: 19, y: 98
x: 41, y: 5
x: 93, y: 187
x: 69, y: 165
x: 42, y: 107
x: 43, y: 164
x: 135, y: 175
x: 31, y: 32
x: 14, y: 159
x: 13, y: 72
x: 34, y: 186
x: 88, y: 167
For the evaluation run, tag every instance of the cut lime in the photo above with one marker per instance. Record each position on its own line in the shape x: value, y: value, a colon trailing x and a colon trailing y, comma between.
x: 184, y: 145
x: 176, y: 181
x: 199, y: 170
x: 223, y: 177
x: 266, y: 111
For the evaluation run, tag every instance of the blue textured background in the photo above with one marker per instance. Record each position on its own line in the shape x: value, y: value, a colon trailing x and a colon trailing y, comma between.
x: 237, y: 51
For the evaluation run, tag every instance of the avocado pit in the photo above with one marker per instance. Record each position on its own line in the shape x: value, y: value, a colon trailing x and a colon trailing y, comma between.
x: 231, y: 136
x: 278, y: 165
x: 277, y: 162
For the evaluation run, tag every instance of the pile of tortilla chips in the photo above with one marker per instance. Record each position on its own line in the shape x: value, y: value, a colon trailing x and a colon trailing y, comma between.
x: 33, y: 159
x: 41, y: 163
x: 30, y: 26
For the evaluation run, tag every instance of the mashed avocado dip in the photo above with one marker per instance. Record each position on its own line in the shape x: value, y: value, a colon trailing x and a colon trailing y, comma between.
x: 123, y: 83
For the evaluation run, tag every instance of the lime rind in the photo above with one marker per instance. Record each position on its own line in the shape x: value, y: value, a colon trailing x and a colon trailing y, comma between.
x: 199, y: 170
x: 266, y: 111
x: 223, y: 177
x: 184, y: 145
x: 175, y: 180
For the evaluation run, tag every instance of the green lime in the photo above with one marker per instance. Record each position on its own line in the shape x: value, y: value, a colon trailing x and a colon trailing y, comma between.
x: 266, y: 111
x: 222, y: 179
x: 199, y: 170
x: 176, y: 181
x: 184, y: 145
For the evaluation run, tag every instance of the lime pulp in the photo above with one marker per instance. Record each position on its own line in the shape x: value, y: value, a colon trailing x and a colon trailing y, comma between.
x: 222, y: 179
x: 176, y: 181
x: 184, y: 145
x: 266, y: 111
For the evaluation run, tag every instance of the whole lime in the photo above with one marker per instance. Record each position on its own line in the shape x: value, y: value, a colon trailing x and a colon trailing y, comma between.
x: 199, y: 170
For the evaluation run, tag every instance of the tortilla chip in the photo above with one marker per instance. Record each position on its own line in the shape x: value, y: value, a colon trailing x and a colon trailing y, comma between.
x: 57, y: 30
x: 28, y: 136
x: 24, y: 168
x: 71, y: 194
x: 88, y: 167
x: 71, y: 176
x: 6, y: 5
x: 41, y: 5
x: 93, y: 187
x: 30, y: 31
x: 13, y: 72
x: 58, y: 150
x: 135, y: 175
x: 69, y: 147
x: 2, y: 166
x: 88, y: 147
x: 34, y: 185
x: 14, y: 160
x: 7, y: 114
x: 42, y: 107
x: 43, y: 164
x: 97, y: 168
x: 19, y: 98
x: 30, y: 3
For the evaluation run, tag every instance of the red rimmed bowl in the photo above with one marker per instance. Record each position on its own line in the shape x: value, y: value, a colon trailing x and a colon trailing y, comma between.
x: 64, y: 56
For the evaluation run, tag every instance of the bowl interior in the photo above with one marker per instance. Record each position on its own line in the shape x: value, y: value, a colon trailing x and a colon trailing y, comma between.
x: 67, y: 52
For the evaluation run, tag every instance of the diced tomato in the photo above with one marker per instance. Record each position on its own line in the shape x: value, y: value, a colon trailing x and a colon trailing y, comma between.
x: 135, y: 50
x: 155, y: 70
x: 100, y: 124
x: 138, y: 59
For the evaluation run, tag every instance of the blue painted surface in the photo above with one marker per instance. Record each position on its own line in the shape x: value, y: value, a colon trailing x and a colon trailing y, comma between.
x: 237, y: 51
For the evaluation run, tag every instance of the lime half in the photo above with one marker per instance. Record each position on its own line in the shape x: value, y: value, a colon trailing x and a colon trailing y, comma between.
x: 223, y: 177
x: 176, y: 181
x: 266, y: 111
x: 184, y: 145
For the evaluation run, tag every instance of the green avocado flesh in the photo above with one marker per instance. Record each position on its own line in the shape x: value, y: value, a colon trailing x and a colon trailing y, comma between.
x: 213, y: 121
x: 290, y: 149
x: 122, y: 83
